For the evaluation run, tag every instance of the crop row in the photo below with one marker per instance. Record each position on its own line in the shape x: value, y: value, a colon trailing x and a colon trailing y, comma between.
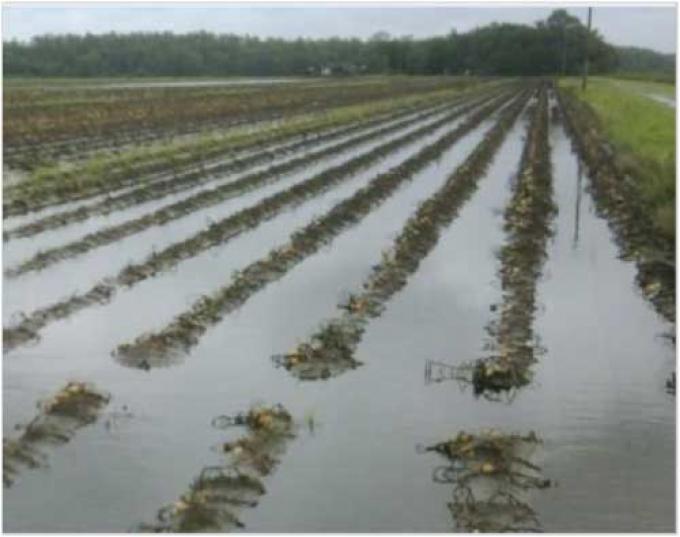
x: 186, y: 206
x: 104, y: 174
x: 175, y: 109
x: 180, y: 182
x: 527, y: 224
x: 186, y: 329
x: 73, y: 407
x: 218, y: 233
x: 214, y: 498
x: 32, y: 156
x: 618, y: 199
x: 330, y: 351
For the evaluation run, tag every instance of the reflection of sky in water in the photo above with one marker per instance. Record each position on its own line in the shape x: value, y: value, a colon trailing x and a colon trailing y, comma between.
x: 597, y: 399
x: 39, y: 288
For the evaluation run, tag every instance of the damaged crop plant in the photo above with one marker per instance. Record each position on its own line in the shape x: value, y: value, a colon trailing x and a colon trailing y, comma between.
x: 113, y: 169
x: 71, y: 408
x: 492, y: 476
x: 186, y: 329
x: 528, y: 227
x: 330, y: 351
x: 214, y: 498
x: 226, y: 229
x: 200, y: 200
x: 166, y: 255
x: 208, y: 173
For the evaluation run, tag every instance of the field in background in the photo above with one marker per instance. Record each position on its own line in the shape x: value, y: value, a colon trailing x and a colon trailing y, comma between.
x: 639, y: 119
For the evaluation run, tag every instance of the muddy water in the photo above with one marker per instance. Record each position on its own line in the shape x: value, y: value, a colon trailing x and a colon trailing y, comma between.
x: 597, y: 399
x: 40, y: 288
x: 23, y: 248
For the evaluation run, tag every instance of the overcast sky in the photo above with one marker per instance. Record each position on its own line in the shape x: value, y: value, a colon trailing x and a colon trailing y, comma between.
x: 650, y: 27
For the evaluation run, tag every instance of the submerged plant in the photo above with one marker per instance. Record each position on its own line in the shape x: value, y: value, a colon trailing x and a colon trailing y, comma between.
x: 330, y: 350
x: 213, y: 499
x: 490, y: 472
x: 76, y: 405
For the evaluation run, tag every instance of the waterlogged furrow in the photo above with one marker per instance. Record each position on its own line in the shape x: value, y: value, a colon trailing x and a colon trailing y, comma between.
x: 618, y: 199
x: 216, y: 496
x: 187, y: 328
x: 527, y: 225
x: 39, y: 289
x: 201, y: 200
x: 108, y: 174
x: 352, y: 174
x: 175, y: 166
x: 23, y: 249
x: 331, y: 350
x: 196, y: 178
x: 225, y: 230
x: 309, y: 137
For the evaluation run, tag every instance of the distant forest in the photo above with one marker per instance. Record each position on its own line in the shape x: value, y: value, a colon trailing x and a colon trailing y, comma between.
x: 554, y: 46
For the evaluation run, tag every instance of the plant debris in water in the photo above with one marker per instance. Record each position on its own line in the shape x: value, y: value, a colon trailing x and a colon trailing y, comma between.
x: 186, y: 329
x: 213, y: 499
x: 200, y: 200
x: 218, y: 233
x: 180, y: 182
x: 74, y: 406
x: 330, y: 351
x: 528, y: 227
x: 492, y: 474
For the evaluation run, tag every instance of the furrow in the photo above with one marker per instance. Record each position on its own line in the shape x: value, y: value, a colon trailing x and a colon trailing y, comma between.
x: 86, y: 181
x: 618, y: 199
x: 178, y: 183
x: 162, y: 216
x: 218, y: 233
x: 187, y: 328
x: 330, y: 351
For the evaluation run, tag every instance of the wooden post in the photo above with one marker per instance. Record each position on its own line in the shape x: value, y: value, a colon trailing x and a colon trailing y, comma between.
x: 564, y: 50
x: 585, y: 57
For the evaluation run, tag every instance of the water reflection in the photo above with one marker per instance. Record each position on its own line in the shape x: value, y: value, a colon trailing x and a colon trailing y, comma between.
x: 73, y: 407
x: 212, y: 501
x: 577, y: 220
x: 492, y: 474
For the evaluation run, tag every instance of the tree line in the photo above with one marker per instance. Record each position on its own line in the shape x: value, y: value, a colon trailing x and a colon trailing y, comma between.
x: 553, y: 46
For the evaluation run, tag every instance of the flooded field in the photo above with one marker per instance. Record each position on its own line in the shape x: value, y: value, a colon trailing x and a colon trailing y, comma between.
x: 415, y: 319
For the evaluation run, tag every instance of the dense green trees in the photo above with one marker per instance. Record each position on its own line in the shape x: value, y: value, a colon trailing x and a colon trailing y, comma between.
x: 553, y: 46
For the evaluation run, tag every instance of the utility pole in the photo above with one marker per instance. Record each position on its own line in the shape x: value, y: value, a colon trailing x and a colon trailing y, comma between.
x: 585, y: 58
x: 564, y: 50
